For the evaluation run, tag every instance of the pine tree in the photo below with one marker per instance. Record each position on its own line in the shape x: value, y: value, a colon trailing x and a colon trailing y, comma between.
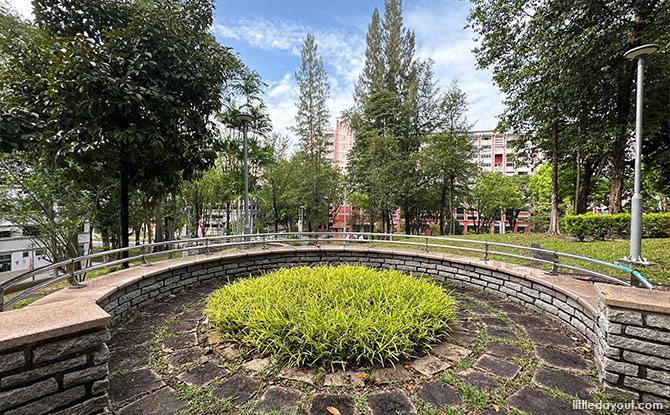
x: 312, y: 117
x: 371, y: 80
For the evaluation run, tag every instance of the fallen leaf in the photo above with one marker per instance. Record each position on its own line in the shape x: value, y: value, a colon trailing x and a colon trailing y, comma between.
x: 607, y: 293
x: 362, y: 375
x: 442, y: 412
x: 495, y: 407
x: 407, y: 366
x: 333, y: 410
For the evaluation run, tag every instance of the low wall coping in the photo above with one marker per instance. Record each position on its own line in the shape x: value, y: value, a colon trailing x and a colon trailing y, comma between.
x: 634, y: 298
x: 37, y: 323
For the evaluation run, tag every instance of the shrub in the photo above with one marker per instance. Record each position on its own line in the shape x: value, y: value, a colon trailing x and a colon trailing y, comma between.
x: 333, y: 316
x: 600, y: 226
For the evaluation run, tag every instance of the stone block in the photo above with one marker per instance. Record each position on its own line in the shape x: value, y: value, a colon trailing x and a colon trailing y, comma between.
x: 661, y: 321
x: 12, y: 361
x: 619, y: 367
x: 659, y: 376
x: 647, y: 333
x: 69, y: 346
x: 646, y: 360
x: 621, y: 393
x: 639, y: 345
x: 647, y: 386
x: 85, y: 375
x: 91, y: 406
x: 622, y: 315
x: 17, y: 396
x: 49, y: 403
x: 43, y: 371
x: 100, y: 386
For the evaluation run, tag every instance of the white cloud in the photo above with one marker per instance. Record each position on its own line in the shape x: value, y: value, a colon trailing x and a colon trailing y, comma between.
x: 440, y: 35
x: 342, y: 54
x: 24, y: 7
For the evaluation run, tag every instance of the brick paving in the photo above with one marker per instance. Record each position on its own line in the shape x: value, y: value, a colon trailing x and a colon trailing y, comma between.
x: 501, y: 358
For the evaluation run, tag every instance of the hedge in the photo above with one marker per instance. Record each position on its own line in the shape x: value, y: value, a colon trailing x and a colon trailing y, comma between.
x: 655, y: 225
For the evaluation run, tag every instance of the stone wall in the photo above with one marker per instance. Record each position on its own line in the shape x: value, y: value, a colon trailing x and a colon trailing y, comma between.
x: 633, y: 350
x: 622, y: 338
x: 62, y: 370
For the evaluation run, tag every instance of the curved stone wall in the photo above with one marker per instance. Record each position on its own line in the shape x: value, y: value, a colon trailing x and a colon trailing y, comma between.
x: 619, y: 332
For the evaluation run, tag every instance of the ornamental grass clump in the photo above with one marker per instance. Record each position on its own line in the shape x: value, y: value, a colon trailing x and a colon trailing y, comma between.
x: 334, y: 316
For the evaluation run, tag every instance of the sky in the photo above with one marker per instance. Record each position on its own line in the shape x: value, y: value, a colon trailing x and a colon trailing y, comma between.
x: 268, y: 34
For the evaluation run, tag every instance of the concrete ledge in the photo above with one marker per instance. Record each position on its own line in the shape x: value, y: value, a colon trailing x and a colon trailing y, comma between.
x: 38, y: 323
x: 635, y: 298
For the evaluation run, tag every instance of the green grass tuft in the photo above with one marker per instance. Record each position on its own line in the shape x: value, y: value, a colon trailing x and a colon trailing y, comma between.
x: 334, y: 316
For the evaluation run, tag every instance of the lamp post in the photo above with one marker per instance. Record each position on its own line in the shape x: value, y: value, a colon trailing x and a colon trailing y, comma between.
x: 635, y: 255
x: 245, y: 118
x: 345, y: 211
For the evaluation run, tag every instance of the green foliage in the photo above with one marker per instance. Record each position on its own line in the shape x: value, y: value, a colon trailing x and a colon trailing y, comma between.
x: 599, y: 226
x: 492, y: 193
x: 334, y: 316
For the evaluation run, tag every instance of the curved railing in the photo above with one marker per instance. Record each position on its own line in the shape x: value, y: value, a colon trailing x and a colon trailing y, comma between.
x: 73, y: 269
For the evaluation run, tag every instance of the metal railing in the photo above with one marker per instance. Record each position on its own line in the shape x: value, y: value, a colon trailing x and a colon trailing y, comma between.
x: 75, y: 269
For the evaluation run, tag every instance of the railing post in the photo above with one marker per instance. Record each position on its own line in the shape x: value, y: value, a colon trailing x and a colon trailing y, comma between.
x: 554, y: 265
x: 634, y: 282
x: 344, y: 236
x: 425, y: 246
x: 144, y: 259
x: 2, y: 298
x: 207, y: 247
x: 264, y: 244
x: 73, y: 279
x: 486, y: 251
x: 316, y: 240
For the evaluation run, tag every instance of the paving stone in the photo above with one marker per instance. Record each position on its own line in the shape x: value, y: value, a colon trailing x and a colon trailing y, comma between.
x: 180, y: 342
x: 498, y: 366
x: 126, y: 339
x: 481, y: 296
x: 145, y: 321
x: 238, y: 389
x: 341, y: 378
x: 507, y: 307
x: 186, y: 356
x: 429, y: 365
x: 391, y: 374
x: 438, y: 394
x: 450, y: 351
x: 563, y: 381
x: 203, y: 374
x: 562, y: 359
x: 181, y: 326
x: 260, y: 364
x: 229, y: 351
x: 392, y: 402
x: 549, y: 337
x: 527, y: 321
x: 132, y: 384
x: 163, y: 401
x: 298, y: 374
x: 194, y: 314
x: 500, y: 411
x: 477, y: 309
x: 502, y: 333
x: 494, y: 321
x: 321, y: 401
x: 463, y: 338
x: 214, y: 337
x: 504, y: 350
x: 534, y: 402
x: 478, y: 379
x: 166, y: 308
x: 466, y: 325
x: 276, y: 398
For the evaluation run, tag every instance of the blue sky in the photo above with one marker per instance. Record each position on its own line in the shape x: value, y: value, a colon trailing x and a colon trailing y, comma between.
x: 268, y: 35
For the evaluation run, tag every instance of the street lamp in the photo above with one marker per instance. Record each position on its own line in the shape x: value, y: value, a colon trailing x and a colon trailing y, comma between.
x: 245, y: 118
x: 635, y: 255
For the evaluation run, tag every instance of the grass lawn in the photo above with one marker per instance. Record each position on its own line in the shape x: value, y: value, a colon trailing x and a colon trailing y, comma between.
x: 656, y: 250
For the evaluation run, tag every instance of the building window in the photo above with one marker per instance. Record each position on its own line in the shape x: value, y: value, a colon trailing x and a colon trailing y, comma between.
x: 5, y: 263
x: 26, y: 254
x: 30, y: 231
x: 510, y: 164
x: 5, y: 234
x: 486, y: 156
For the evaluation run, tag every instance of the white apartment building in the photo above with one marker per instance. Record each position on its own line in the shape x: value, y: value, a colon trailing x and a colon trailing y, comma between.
x: 20, y: 252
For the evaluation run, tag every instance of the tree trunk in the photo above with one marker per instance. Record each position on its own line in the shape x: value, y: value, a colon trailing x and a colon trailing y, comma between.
x: 124, y: 213
x: 159, y: 226
x: 275, y: 209
x: 620, y: 145
x: 452, y: 223
x: 408, y: 221
x: 585, y: 188
x: 553, y: 223
x: 575, y: 205
x: 443, y: 202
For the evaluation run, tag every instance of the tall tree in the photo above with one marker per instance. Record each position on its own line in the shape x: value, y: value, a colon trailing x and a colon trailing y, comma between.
x: 311, y: 124
x: 126, y: 90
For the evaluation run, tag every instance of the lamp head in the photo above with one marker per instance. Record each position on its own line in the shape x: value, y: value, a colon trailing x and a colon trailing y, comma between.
x: 641, y: 51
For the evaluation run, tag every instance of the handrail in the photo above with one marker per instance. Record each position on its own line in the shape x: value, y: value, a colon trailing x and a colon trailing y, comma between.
x: 245, y: 241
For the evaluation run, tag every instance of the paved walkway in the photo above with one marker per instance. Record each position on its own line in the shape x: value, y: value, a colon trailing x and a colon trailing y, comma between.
x: 501, y: 359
